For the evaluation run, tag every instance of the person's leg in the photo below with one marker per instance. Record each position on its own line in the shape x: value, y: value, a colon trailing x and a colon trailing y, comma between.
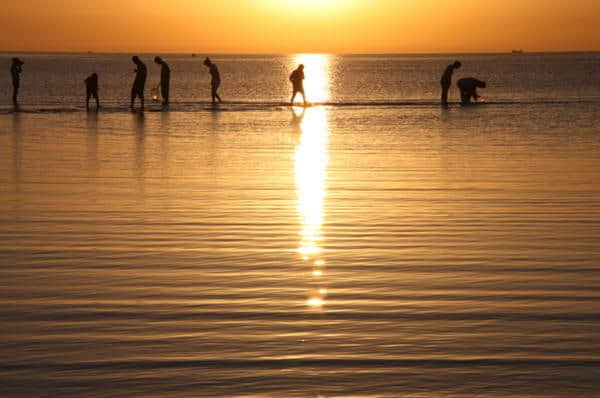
x: 303, y: 97
x: 165, y: 92
x: 465, y: 97
x: 293, y: 97
x: 97, y: 99
x: 445, y: 89
x: 15, y: 91
x: 133, y: 95
x: 142, y: 97
x: 215, y: 93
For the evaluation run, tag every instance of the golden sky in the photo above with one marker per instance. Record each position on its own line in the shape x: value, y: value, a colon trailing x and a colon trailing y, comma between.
x: 289, y: 26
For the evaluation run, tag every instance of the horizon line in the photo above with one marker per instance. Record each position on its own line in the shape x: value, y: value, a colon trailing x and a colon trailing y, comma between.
x: 522, y: 52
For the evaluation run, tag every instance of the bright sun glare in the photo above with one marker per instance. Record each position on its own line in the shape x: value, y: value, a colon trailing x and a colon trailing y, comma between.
x: 311, y: 5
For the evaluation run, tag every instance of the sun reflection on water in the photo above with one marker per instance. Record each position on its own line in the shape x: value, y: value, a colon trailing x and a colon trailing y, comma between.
x: 311, y: 161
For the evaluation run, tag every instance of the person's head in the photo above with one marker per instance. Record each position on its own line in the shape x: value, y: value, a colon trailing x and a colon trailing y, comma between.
x: 457, y: 64
x: 207, y: 62
x: 135, y: 59
x: 158, y: 60
x: 17, y: 61
x: 482, y: 84
x: 301, y: 67
x: 94, y: 75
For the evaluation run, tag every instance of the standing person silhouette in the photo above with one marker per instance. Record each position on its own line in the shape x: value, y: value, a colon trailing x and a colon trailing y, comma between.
x: 15, y: 73
x: 446, y: 80
x: 165, y: 79
x: 137, y: 90
x: 91, y: 90
x: 297, y: 79
x: 215, y: 81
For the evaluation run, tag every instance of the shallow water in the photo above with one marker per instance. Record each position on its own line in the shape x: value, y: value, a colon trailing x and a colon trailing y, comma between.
x: 365, y: 251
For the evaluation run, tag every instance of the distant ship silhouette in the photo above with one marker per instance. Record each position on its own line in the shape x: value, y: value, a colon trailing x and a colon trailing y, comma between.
x: 517, y: 51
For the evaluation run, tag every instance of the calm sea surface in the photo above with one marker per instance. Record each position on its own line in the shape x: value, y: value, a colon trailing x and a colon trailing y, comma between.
x: 373, y: 245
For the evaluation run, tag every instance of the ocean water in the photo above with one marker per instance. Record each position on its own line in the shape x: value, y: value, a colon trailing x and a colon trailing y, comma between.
x: 372, y: 245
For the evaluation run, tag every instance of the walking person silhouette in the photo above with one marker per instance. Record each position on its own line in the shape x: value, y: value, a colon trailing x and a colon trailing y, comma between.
x: 297, y: 79
x: 215, y: 81
x: 137, y: 90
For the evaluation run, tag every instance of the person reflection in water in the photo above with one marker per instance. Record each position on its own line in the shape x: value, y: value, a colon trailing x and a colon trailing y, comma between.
x: 91, y: 90
x: 468, y: 89
x: 137, y: 90
x: 297, y: 79
x: 15, y: 73
x: 446, y: 80
x: 165, y: 79
x: 215, y: 81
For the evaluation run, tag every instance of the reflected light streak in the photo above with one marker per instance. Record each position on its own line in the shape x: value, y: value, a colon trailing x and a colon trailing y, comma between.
x: 316, y: 302
x: 311, y: 160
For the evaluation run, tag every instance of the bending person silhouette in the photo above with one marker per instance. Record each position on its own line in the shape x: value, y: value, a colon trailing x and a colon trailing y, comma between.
x: 297, y: 79
x: 468, y: 89
x: 165, y: 79
x: 215, y: 81
x: 91, y: 90
x: 137, y: 90
x: 15, y: 73
x: 446, y: 80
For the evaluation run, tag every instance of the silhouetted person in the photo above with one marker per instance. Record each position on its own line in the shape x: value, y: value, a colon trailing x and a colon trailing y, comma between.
x: 215, y: 81
x: 91, y: 90
x: 140, y: 81
x: 165, y: 79
x: 446, y: 80
x: 297, y: 79
x: 468, y: 89
x: 15, y: 73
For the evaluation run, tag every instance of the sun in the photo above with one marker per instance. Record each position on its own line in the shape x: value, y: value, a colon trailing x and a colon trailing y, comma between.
x: 310, y: 3
x: 312, y: 6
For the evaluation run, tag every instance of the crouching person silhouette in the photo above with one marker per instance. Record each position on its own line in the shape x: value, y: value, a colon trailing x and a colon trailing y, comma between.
x: 468, y: 89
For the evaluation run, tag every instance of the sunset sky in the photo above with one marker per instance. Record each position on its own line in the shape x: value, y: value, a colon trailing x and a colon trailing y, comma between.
x: 289, y: 26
